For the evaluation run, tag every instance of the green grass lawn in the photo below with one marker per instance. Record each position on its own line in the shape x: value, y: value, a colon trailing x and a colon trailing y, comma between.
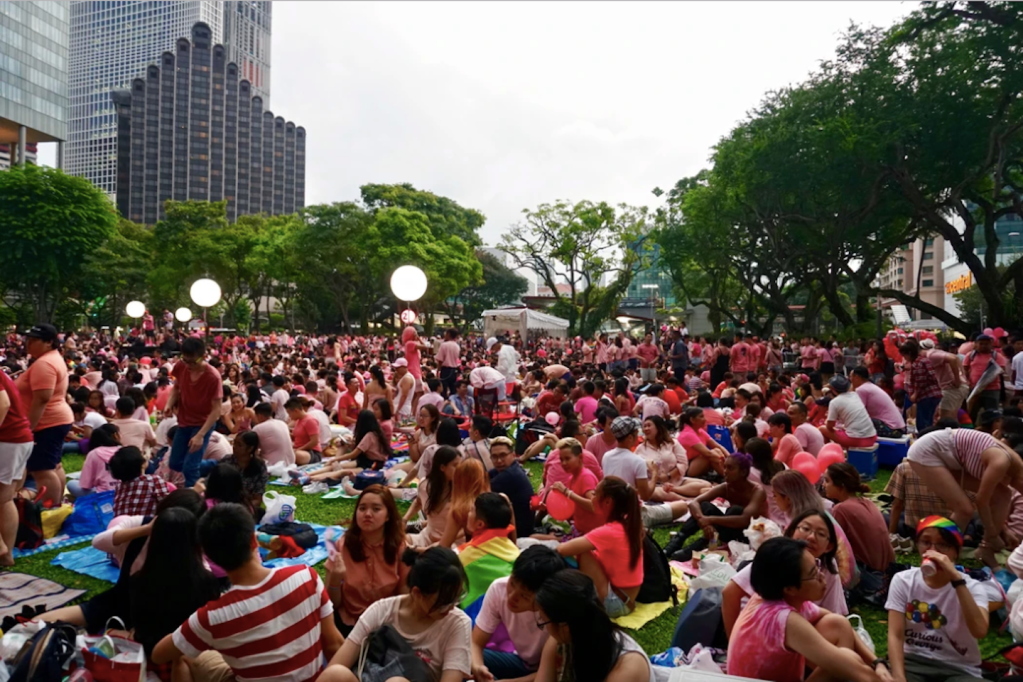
x: 654, y: 637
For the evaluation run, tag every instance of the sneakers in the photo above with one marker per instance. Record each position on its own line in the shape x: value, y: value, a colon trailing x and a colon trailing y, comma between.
x: 686, y: 554
x: 315, y: 488
x: 900, y: 544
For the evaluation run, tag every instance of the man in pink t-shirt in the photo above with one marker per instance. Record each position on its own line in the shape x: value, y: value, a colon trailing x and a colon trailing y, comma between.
x: 586, y: 407
x: 739, y: 357
x: 449, y: 358
x: 887, y: 417
x: 648, y: 354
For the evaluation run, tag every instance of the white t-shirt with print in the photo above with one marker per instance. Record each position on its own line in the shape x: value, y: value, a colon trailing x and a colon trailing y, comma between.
x: 445, y: 645
x: 935, y: 627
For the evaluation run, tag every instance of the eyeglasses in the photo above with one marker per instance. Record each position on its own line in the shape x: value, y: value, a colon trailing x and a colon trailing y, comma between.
x: 818, y: 569
x: 540, y: 625
x: 925, y: 545
x: 821, y: 535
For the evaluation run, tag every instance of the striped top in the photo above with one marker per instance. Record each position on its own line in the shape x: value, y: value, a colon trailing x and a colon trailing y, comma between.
x: 265, y: 632
x: 969, y: 444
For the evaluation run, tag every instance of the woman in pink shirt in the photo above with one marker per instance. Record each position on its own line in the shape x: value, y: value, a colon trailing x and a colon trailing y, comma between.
x: 783, y: 441
x: 668, y: 455
x: 95, y: 477
x: 703, y: 452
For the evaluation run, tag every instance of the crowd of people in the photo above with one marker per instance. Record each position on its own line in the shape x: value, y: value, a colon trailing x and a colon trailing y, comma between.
x: 486, y: 575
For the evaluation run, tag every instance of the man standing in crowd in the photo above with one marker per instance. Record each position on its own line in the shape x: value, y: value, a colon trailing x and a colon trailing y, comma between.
x: 921, y: 384
x: 951, y: 380
x: 679, y: 355
x: 449, y: 358
x: 976, y: 364
x: 197, y: 395
x: 649, y: 355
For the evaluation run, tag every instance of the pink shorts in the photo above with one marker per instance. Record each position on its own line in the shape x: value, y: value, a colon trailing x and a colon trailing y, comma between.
x: 847, y: 441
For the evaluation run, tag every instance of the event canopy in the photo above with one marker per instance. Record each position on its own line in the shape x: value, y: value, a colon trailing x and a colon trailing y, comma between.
x: 524, y: 321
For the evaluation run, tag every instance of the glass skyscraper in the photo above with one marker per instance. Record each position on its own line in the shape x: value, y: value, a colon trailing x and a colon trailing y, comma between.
x: 113, y: 42
x: 33, y: 75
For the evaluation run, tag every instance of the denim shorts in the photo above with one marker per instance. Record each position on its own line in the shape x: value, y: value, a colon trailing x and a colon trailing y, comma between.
x: 614, y: 606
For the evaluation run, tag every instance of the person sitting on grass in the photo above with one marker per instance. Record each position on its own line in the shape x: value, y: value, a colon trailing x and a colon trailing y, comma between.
x: 664, y: 452
x: 612, y: 555
x: 138, y: 493
x: 509, y: 478
x: 305, y: 435
x: 511, y: 602
x: 580, y: 488
x: 427, y: 618
x: 247, y: 459
x: 490, y: 553
x: 935, y: 622
x: 371, y: 450
x: 95, y: 476
x: 583, y: 642
x: 289, y: 632
x: 818, y: 532
x: 782, y: 629
x: 746, y: 501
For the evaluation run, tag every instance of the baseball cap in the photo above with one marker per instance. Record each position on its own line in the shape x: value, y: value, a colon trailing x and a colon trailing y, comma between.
x: 839, y: 383
x: 401, y: 362
x: 621, y: 427
x: 982, y: 337
x: 43, y: 332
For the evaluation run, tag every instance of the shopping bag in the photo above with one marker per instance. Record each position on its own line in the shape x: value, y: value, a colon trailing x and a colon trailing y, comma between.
x: 126, y: 664
x: 861, y: 631
x: 53, y: 519
x: 91, y: 514
x: 279, y: 507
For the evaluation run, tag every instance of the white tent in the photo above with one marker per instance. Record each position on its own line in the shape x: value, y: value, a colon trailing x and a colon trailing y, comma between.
x: 524, y: 321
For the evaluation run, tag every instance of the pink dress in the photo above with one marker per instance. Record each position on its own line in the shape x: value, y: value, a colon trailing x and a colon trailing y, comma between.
x: 757, y: 647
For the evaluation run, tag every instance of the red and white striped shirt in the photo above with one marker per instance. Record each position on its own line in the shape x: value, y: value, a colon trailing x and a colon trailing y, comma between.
x: 265, y: 632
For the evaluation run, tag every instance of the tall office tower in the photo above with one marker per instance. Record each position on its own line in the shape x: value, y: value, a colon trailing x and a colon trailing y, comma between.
x: 247, y: 39
x: 192, y: 129
x: 113, y: 42
x: 33, y: 76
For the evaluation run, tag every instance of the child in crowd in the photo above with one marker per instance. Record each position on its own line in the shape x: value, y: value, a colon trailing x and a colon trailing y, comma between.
x: 138, y: 493
x: 510, y: 602
x: 492, y: 550
x: 95, y: 476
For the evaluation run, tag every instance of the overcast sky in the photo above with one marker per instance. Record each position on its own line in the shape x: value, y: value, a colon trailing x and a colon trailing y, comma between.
x: 503, y: 106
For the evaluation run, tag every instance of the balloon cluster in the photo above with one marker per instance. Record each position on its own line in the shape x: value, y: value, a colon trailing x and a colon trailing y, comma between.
x: 813, y: 467
x: 929, y: 614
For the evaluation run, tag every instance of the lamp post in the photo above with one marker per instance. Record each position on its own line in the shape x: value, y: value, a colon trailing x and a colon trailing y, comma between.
x: 135, y: 310
x: 408, y: 284
x: 205, y: 293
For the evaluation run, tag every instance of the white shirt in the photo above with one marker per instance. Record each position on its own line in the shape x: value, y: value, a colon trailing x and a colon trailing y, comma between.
x: 275, y: 442
x: 624, y: 464
x: 163, y: 427
x: 508, y: 362
x: 324, y: 420
x: 1017, y: 371
x: 847, y: 409
x: 277, y: 400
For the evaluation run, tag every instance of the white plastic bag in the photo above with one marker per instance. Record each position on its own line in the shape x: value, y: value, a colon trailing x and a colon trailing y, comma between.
x: 279, y: 470
x: 1015, y: 591
x: 714, y: 572
x: 761, y: 529
x: 279, y: 508
x: 861, y: 631
x: 16, y: 637
x: 740, y: 552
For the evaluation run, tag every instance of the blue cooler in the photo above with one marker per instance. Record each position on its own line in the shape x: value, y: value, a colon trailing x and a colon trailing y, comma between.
x: 865, y: 461
x: 891, y: 451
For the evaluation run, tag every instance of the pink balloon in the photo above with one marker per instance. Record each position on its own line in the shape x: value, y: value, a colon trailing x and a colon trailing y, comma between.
x: 559, y: 506
x: 989, y: 331
x: 831, y: 447
x: 552, y: 418
x: 826, y: 459
x: 803, y: 457
x: 999, y: 332
x: 808, y: 469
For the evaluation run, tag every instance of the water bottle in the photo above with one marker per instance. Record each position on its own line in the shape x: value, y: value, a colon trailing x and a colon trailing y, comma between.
x: 928, y: 568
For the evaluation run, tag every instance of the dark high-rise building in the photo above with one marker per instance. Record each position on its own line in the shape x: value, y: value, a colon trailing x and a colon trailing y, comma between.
x: 192, y: 129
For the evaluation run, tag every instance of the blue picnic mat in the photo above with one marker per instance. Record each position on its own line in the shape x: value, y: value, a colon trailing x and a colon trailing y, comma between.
x: 96, y: 564
x: 57, y: 542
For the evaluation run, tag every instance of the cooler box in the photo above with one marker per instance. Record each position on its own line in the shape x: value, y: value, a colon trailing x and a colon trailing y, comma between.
x: 865, y: 461
x: 891, y: 451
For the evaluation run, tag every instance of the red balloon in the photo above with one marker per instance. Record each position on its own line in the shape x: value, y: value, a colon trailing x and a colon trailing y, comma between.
x: 831, y: 447
x: 826, y: 459
x: 559, y: 506
x: 803, y: 458
x: 808, y: 469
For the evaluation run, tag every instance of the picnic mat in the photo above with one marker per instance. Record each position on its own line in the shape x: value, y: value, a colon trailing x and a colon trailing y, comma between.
x: 645, y: 613
x: 18, y: 590
x: 56, y: 542
x: 96, y: 564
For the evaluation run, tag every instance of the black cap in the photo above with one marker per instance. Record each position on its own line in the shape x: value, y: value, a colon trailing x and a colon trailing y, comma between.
x: 43, y: 332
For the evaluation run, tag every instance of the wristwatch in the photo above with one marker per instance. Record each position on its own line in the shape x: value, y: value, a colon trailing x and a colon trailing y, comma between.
x: 958, y: 583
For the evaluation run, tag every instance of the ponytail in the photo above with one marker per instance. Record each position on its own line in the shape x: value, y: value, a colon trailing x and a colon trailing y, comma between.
x: 625, y: 510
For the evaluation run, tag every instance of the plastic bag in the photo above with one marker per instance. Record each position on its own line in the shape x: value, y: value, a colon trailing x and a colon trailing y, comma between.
x: 698, y: 658
x: 714, y: 572
x: 279, y: 470
x: 91, y: 514
x: 761, y: 529
x: 740, y: 552
x: 1015, y: 591
x: 15, y: 638
x: 861, y: 631
x: 279, y: 508
x: 53, y: 519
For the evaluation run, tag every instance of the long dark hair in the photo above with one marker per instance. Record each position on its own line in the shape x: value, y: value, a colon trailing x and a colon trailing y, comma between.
x: 448, y: 433
x: 385, y: 408
x: 568, y: 597
x: 367, y: 423
x: 394, y: 529
x: 625, y: 510
x: 438, y: 487
x: 763, y: 459
x: 378, y: 376
x: 173, y: 563
x: 663, y: 436
x: 103, y: 436
x: 224, y: 484
x: 434, y: 416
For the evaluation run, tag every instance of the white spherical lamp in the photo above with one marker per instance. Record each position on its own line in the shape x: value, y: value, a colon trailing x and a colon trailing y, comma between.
x: 183, y: 314
x: 408, y: 283
x: 135, y: 309
x: 205, y: 293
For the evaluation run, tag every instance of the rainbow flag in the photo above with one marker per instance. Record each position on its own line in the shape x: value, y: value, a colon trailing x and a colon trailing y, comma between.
x: 486, y: 558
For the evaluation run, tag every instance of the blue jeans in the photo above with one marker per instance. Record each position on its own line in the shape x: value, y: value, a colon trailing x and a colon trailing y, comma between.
x: 925, y: 409
x: 504, y: 666
x: 72, y: 447
x: 184, y: 461
x: 76, y: 490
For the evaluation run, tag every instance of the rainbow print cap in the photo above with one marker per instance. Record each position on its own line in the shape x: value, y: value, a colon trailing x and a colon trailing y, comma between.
x: 940, y: 522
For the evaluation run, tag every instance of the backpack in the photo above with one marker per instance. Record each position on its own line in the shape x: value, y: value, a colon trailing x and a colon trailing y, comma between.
x: 700, y: 622
x: 532, y: 432
x: 302, y: 533
x: 386, y: 655
x: 657, y: 585
x: 45, y: 657
x: 368, y: 477
x: 30, y: 522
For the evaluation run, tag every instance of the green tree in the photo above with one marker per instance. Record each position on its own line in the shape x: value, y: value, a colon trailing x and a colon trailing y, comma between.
x: 49, y: 223
x: 446, y: 217
x: 499, y: 286
x: 185, y: 241
x: 118, y: 272
x: 582, y: 245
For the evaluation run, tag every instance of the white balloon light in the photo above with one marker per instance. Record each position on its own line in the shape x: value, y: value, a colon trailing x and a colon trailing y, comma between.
x: 205, y: 293
x: 135, y: 309
x: 408, y: 283
x: 183, y: 314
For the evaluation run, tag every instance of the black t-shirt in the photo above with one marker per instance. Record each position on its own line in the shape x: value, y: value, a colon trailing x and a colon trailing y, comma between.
x: 514, y: 483
x: 682, y: 350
